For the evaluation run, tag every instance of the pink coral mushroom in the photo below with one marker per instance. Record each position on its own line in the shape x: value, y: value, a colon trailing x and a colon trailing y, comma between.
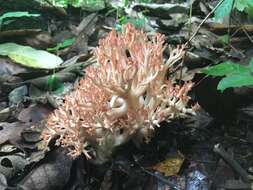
x: 124, y: 96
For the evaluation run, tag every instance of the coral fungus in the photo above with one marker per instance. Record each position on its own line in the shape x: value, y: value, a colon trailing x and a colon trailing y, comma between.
x: 123, y: 96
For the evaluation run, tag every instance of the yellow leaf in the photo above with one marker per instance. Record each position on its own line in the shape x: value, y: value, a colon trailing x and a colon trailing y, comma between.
x: 171, y: 165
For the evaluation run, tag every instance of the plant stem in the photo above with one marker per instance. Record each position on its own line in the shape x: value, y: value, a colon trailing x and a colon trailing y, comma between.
x: 190, y: 20
x: 229, y: 21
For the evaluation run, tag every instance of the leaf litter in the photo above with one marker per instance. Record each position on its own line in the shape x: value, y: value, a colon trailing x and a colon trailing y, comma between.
x: 30, y: 91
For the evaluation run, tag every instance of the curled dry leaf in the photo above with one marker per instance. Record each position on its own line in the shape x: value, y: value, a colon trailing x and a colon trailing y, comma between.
x: 3, y: 182
x: 52, y: 174
x: 5, y: 113
x: 34, y: 113
x: 17, y: 95
x: 12, y: 165
x: 10, y: 131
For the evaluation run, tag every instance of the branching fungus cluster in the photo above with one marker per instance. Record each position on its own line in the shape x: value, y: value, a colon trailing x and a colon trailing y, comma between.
x: 124, y: 96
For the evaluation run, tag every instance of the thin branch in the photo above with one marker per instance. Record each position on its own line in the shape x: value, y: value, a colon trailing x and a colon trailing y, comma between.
x: 231, y: 162
x: 242, y: 27
x: 203, y: 21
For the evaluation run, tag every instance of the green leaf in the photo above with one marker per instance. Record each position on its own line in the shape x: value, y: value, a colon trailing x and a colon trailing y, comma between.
x: 30, y: 57
x: 126, y: 3
x: 226, y: 68
x: 251, y: 64
x: 16, y: 15
x: 224, y: 39
x: 89, y: 5
x: 137, y: 22
x: 242, y: 5
x: 236, y: 80
x: 64, y: 44
x: 249, y: 10
x: 223, y: 10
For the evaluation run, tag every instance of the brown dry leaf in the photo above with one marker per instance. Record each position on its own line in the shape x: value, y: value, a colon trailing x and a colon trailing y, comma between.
x: 12, y: 165
x: 10, y: 131
x: 17, y: 95
x: 10, y: 68
x: 18, y: 33
x: 171, y: 165
x: 34, y: 113
x: 5, y: 113
x: 163, y: 10
x: 53, y: 174
x: 3, y: 182
x: 82, y: 32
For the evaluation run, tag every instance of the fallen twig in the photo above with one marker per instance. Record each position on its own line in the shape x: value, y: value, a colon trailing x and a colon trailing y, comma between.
x: 232, y: 163
x: 203, y: 21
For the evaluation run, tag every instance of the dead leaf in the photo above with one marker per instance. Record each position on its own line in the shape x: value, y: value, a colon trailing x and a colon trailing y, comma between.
x: 10, y: 131
x: 34, y: 113
x: 7, y: 149
x: 10, y: 68
x: 83, y: 31
x: 31, y: 136
x: 41, y: 40
x: 17, y: 95
x: 163, y: 10
x: 18, y: 32
x: 5, y: 113
x: 53, y: 174
x: 237, y: 184
x: 171, y: 165
x: 11, y: 165
x: 3, y: 182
